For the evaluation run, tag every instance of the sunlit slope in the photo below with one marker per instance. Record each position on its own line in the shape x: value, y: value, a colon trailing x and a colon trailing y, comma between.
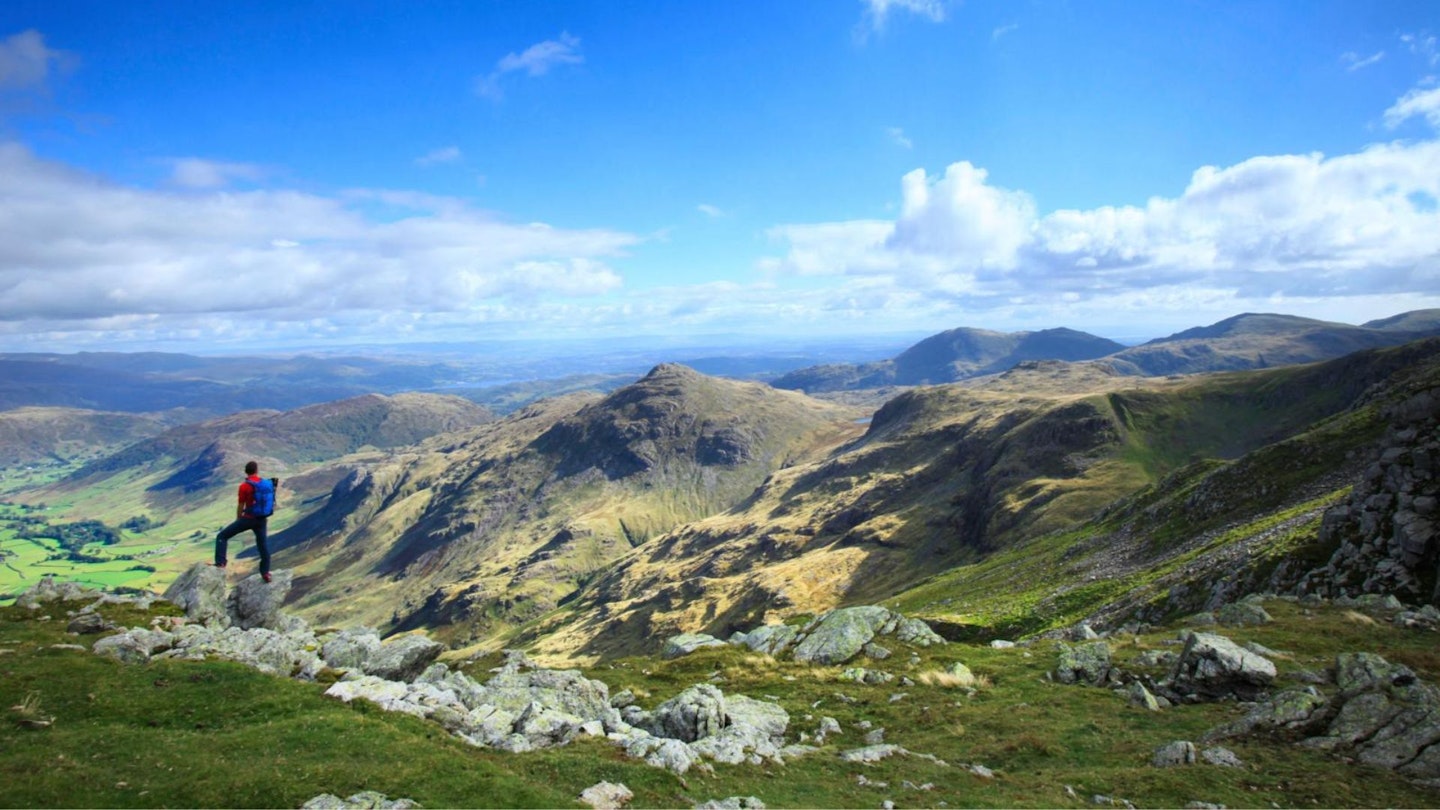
x: 965, y: 480
x: 501, y: 524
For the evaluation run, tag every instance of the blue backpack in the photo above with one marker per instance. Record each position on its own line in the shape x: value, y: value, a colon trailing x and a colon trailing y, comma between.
x: 264, y: 505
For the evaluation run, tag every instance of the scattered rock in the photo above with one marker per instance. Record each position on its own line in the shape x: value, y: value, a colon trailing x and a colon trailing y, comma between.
x: 1222, y: 757
x: 732, y: 803
x: 607, y: 796
x: 1212, y: 667
x: 686, y: 643
x: 839, y: 635
x: 403, y: 658
x: 1243, y: 613
x: 772, y: 639
x: 1180, y: 752
x: 364, y: 800
x: 1137, y: 695
x: 1001, y: 644
x: 1086, y: 664
x: 87, y: 624
x: 256, y: 603
x: 863, y: 675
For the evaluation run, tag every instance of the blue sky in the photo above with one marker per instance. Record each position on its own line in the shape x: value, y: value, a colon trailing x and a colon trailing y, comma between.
x: 197, y: 176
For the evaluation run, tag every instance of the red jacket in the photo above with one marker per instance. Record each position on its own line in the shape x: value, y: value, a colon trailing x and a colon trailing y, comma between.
x: 247, y: 493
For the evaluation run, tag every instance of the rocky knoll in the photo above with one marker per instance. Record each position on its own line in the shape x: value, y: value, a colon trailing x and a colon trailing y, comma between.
x: 521, y: 707
x: 1381, y: 714
x: 1385, y: 534
x: 833, y: 637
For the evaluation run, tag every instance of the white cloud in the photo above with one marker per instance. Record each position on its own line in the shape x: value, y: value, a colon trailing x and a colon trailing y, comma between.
x: 25, y: 61
x: 1002, y: 30
x: 198, y: 173
x: 444, y: 154
x: 898, y: 137
x: 1273, y: 228
x: 1424, y: 46
x: 877, y: 12
x: 1417, y: 102
x: 78, y: 251
x: 710, y: 210
x: 1354, y: 61
x: 536, y: 60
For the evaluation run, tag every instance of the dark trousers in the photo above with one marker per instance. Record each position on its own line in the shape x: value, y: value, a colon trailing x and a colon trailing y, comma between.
x: 244, y: 524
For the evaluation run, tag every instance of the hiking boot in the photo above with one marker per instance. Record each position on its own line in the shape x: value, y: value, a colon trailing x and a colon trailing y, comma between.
x: 265, y: 576
x: 220, y: 565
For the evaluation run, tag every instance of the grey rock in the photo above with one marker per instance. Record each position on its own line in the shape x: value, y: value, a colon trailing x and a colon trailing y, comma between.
x: 1291, y: 709
x: 1162, y: 659
x: 873, y: 753
x: 839, y: 635
x: 1086, y: 664
x: 772, y: 639
x: 607, y: 795
x: 732, y: 803
x: 1222, y: 757
x: 256, y: 603
x: 351, y: 648
x: 403, y: 658
x: 686, y: 643
x: 1137, y: 695
x: 1001, y: 644
x: 200, y: 592
x: 1241, y: 614
x: 134, y: 646
x: 875, y: 651
x: 863, y: 675
x: 1212, y: 667
x: 875, y: 736
x: 828, y: 726
x: 694, y: 714
x: 364, y: 800
x: 87, y: 624
x: 1180, y: 752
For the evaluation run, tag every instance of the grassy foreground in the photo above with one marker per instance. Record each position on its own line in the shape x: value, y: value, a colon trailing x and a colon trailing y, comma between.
x: 216, y: 734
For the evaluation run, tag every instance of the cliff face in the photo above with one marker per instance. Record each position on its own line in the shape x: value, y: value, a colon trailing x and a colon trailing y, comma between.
x: 1385, y: 532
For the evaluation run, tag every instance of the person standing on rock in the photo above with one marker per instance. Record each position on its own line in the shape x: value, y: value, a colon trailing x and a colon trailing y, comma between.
x: 256, y: 504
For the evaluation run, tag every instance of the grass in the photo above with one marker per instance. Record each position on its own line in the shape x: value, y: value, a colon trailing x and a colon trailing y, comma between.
x: 219, y: 735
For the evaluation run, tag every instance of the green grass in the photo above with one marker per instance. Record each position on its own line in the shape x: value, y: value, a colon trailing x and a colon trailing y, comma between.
x: 216, y: 734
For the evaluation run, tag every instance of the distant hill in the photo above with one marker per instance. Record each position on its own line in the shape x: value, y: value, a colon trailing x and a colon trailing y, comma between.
x: 63, y: 434
x: 950, y: 356
x: 1252, y: 341
x: 199, y: 456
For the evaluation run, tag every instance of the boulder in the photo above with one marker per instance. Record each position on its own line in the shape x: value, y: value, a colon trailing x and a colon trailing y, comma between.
x: 1180, y: 752
x: 403, y: 658
x: 772, y: 639
x: 1086, y: 664
x: 256, y: 603
x: 351, y: 649
x: 607, y: 795
x: 86, y: 624
x: 364, y: 800
x: 1212, y: 667
x: 1242, y: 613
x: 1137, y: 695
x: 48, y: 589
x: 1291, y: 710
x: 694, y: 714
x: 200, y: 592
x: 839, y: 635
x: 686, y: 643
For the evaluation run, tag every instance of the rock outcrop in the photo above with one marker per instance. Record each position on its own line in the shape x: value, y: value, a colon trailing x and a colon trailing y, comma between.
x: 1385, y: 533
x: 1212, y: 667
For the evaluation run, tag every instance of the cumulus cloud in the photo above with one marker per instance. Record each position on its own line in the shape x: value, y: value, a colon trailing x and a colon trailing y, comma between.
x: 709, y: 210
x: 26, y: 63
x: 1268, y: 228
x: 536, y: 60
x: 77, y: 249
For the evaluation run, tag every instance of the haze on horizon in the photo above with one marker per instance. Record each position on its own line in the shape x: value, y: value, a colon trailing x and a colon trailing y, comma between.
x: 189, y: 178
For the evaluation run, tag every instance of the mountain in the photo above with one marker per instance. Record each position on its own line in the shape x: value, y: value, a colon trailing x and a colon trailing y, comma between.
x: 1266, y: 341
x: 28, y: 435
x: 950, y: 356
x: 484, y: 529
x: 952, y: 482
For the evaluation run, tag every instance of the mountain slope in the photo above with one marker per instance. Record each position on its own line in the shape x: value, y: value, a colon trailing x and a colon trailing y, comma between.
x: 1266, y: 341
x: 64, y: 434
x: 950, y: 356
x: 954, y: 479
x: 498, y: 525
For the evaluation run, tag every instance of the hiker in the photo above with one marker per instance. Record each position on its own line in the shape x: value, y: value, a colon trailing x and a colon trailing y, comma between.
x: 257, y: 502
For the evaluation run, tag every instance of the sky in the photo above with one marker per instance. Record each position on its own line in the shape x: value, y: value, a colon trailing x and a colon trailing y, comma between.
x: 204, y: 177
